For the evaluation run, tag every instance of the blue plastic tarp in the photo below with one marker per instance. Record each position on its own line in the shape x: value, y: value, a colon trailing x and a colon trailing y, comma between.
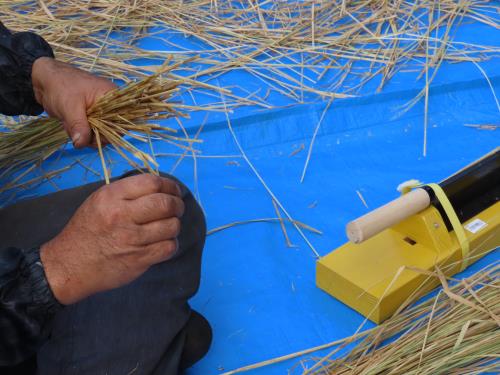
x: 260, y: 295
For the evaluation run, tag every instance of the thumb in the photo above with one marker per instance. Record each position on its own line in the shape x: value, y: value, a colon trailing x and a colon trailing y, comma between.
x: 77, y: 127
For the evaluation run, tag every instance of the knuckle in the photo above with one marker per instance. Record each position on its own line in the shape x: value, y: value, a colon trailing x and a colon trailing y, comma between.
x: 113, y: 215
x: 107, y: 85
x: 170, y: 248
x: 159, y: 252
x: 95, y: 198
x: 175, y: 227
x: 165, y: 203
x: 77, y: 123
x: 98, y: 194
x: 151, y: 182
x: 99, y: 202
x: 182, y: 207
x: 126, y: 237
x: 105, y: 194
x: 138, y: 236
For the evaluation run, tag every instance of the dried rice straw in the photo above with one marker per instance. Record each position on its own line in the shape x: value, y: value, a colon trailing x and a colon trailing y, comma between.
x: 119, y: 116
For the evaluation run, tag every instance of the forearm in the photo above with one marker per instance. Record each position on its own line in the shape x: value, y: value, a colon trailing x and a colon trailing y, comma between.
x: 27, y: 305
x: 18, y: 52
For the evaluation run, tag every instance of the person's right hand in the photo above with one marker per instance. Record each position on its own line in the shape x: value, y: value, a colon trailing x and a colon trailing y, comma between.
x: 116, y: 235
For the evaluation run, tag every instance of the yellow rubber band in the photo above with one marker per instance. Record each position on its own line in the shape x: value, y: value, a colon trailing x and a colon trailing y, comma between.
x: 407, y: 186
x: 455, y: 223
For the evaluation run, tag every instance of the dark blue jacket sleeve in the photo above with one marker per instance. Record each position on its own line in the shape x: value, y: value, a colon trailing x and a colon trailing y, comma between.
x: 26, y: 300
x: 27, y: 305
x: 18, y: 52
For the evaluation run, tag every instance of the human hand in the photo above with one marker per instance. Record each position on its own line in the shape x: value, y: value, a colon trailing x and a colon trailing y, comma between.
x: 66, y: 93
x: 115, y: 236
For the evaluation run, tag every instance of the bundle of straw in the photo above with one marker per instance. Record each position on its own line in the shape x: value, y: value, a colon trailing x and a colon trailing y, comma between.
x: 116, y: 117
x: 128, y: 112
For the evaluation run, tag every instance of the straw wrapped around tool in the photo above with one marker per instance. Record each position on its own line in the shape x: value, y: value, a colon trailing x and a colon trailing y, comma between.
x: 118, y: 116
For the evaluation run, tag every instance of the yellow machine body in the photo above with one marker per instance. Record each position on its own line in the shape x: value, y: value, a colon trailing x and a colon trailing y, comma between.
x: 372, y: 278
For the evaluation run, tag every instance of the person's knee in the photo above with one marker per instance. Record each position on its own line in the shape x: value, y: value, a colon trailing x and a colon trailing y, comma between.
x: 193, y: 223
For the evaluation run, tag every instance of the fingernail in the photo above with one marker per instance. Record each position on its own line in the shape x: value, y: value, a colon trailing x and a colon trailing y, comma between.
x: 76, y: 138
x: 179, y: 190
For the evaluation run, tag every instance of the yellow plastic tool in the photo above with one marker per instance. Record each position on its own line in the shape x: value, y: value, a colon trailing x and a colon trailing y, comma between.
x: 374, y: 276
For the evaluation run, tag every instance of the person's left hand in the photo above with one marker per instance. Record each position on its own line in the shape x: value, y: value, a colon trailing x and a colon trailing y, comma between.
x: 66, y: 93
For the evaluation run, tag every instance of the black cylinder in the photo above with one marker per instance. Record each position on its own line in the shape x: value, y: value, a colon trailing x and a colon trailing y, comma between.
x: 472, y: 189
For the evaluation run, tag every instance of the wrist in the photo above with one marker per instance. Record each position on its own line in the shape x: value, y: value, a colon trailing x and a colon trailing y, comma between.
x: 58, y: 276
x: 40, y: 73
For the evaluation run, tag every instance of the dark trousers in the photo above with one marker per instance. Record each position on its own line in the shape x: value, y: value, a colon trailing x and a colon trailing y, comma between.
x: 136, y: 329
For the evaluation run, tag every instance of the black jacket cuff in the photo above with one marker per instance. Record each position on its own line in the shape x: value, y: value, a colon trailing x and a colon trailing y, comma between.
x: 27, y: 305
x: 28, y: 47
x: 44, y: 301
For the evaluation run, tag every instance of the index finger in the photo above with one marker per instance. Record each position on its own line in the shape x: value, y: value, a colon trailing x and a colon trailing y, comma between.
x: 138, y: 186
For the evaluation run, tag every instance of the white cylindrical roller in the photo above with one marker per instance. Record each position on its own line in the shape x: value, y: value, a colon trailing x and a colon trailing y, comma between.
x: 384, y: 217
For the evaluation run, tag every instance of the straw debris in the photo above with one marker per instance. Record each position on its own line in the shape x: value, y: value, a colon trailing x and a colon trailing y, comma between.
x: 305, y: 50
